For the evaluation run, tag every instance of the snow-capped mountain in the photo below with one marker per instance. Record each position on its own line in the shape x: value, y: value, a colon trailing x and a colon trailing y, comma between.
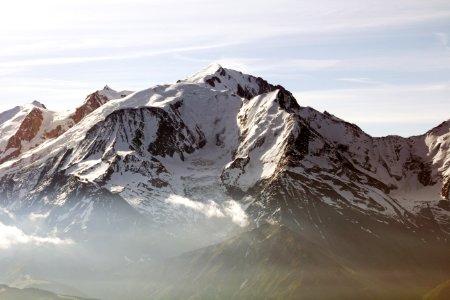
x: 222, y: 145
x: 218, y: 135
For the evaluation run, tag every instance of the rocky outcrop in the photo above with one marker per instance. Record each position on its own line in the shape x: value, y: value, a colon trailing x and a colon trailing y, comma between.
x: 28, y: 130
x: 92, y: 102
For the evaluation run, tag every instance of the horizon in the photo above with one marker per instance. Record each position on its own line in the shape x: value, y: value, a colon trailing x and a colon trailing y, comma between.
x: 384, y: 67
x: 296, y: 95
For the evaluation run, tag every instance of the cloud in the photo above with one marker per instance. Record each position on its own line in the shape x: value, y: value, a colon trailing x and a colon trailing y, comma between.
x: 360, y: 80
x: 210, y: 209
x: 261, y: 65
x: 151, y: 24
x: 406, y: 61
x: 4, y: 211
x: 121, y: 16
x: 36, y: 217
x: 237, y: 214
x: 132, y: 44
x: 443, y: 39
x: 284, y: 65
x: 85, y: 59
x: 11, y: 236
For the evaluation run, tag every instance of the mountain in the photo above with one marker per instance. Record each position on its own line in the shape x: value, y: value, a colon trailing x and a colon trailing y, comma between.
x: 118, y: 147
x: 221, y: 134
x: 221, y: 150
x: 269, y: 262
x: 441, y: 292
x: 26, y: 127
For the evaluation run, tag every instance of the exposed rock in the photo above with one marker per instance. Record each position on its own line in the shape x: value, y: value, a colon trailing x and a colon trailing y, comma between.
x: 92, y: 102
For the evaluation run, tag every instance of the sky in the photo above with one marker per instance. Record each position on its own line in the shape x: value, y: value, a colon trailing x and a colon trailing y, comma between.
x: 383, y: 65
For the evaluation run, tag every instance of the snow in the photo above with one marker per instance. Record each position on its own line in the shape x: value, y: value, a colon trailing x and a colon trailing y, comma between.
x: 11, y: 120
x: 224, y: 79
x: 205, y: 72
x: 415, y: 197
x: 85, y: 215
x: 331, y: 202
x: 9, y: 114
x: 265, y: 132
x: 255, y: 131
x: 386, y: 159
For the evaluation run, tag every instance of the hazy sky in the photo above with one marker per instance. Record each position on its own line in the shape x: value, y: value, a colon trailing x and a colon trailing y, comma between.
x: 384, y: 65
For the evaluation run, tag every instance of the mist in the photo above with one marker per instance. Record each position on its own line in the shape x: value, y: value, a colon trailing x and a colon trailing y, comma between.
x: 217, y: 256
x: 107, y: 263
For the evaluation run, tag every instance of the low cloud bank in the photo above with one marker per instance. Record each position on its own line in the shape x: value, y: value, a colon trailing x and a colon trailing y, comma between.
x: 11, y: 236
x: 228, y: 209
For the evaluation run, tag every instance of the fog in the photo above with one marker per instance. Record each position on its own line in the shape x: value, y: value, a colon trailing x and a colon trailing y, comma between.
x: 218, y: 255
x: 105, y: 263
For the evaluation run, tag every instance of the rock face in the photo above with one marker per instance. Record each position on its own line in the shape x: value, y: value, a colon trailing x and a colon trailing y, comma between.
x: 221, y: 142
x: 28, y: 129
x: 95, y: 100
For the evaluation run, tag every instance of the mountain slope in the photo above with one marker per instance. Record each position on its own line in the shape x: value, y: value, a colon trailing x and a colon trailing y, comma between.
x: 270, y: 262
x: 8, y: 293
x: 222, y: 149
x: 165, y: 140
x: 441, y: 292
x: 26, y: 127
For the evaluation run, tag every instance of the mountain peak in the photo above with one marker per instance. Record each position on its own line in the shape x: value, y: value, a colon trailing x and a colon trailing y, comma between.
x: 441, y: 129
x: 206, y: 72
x: 38, y: 104
x: 107, y: 88
x: 219, y: 78
x: 213, y: 68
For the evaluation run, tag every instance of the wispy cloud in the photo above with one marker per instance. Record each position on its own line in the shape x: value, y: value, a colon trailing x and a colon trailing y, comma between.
x: 295, y: 43
x: 11, y: 236
x: 84, y: 59
x: 443, y: 39
x: 360, y: 80
x: 37, y: 216
x: 68, y: 25
x: 5, y: 212
x: 229, y: 209
x: 409, y: 61
x: 405, y: 61
x: 257, y: 65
